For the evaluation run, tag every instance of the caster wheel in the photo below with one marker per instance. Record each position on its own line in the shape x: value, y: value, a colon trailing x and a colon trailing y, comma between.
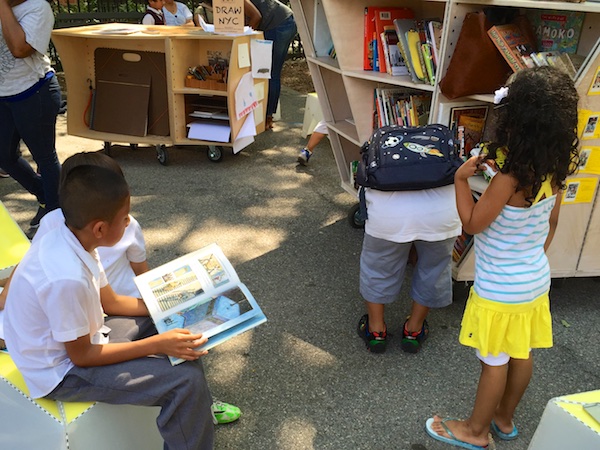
x: 133, y: 146
x: 215, y: 153
x: 162, y: 155
x: 107, y: 148
x: 354, y: 219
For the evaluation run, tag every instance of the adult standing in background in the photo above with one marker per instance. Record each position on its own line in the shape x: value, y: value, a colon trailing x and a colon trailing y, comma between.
x: 176, y: 13
x: 30, y: 100
x: 277, y: 23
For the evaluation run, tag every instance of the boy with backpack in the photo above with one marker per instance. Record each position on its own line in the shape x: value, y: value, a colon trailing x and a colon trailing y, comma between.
x: 423, y: 216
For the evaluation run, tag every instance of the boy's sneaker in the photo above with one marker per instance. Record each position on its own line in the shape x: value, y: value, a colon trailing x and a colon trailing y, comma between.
x: 304, y: 156
x: 4, y: 174
x: 412, y: 341
x: 376, y: 341
x: 224, y: 412
x: 41, y: 212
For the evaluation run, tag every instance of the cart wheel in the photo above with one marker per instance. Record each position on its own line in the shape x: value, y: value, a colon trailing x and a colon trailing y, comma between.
x: 162, y: 155
x: 133, y: 146
x: 353, y: 217
x: 107, y: 148
x: 215, y: 153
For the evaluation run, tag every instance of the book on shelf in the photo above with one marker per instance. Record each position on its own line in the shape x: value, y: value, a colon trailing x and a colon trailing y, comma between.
x: 394, y: 60
x: 434, y: 28
x: 200, y: 292
x: 385, y: 17
x: 556, y: 30
x: 512, y: 44
x: 404, y: 26
x: 461, y: 245
x: 469, y: 123
x: 396, y: 106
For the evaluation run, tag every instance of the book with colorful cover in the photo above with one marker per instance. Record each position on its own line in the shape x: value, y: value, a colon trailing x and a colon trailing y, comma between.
x: 200, y: 292
x: 556, y: 30
x: 385, y: 17
x: 511, y: 43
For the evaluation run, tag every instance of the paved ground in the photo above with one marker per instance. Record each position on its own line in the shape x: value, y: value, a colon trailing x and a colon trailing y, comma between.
x: 303, y: 379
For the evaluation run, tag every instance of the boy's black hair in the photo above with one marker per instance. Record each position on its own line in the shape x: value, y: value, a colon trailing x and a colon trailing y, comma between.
x: 91, y: 193
x: 88, y: 159
x: 537, y: 123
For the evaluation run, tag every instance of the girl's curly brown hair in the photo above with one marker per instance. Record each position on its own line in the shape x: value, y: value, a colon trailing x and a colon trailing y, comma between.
x: 537, y: 122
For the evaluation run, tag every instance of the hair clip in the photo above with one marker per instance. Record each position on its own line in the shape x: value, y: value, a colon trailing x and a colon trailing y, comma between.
x: 500, y: 94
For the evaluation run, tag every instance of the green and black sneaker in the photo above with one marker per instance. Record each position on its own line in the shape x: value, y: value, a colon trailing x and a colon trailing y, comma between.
x: 376, y: 341
x: 412, y: 341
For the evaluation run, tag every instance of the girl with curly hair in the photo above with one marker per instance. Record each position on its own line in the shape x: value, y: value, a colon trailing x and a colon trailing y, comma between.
x: 508, y: 310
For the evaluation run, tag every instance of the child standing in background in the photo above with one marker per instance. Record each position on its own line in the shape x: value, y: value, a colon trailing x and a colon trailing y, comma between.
x: 154, y: 14
x: 508, y: 310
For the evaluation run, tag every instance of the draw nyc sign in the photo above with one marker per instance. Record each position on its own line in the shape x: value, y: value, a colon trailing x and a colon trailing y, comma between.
x: 228, y: 16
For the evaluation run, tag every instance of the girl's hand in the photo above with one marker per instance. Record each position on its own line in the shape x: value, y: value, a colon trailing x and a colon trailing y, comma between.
x: 181, y: 343
x: 469, y: 168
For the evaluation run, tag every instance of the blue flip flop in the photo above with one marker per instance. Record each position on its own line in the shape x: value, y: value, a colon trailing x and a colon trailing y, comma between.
x: 505, y: 436
x: 452, y: 440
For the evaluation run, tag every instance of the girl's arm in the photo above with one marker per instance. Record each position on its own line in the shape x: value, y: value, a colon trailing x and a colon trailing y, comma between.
x: 252, y: 13
x: 13, y: 33
x: 553, y: 221
x: 477, y: 216
x: 121, y: 305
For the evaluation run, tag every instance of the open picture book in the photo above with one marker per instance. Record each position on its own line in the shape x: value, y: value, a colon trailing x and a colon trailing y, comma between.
x: 200, y: 292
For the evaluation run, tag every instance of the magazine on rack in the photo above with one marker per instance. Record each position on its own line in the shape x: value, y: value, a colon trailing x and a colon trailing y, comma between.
x: 200, y: 292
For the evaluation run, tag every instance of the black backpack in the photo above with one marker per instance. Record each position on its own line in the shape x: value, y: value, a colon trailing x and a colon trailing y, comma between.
x: 399, y: 158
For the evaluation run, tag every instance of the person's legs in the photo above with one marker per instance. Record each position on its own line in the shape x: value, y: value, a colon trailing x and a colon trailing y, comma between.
x: 519, y: 375
x: 475, y: 429
x: 317, y: 136
x: 185, y: 420
x: 10, y: 156
x: 282, y: 37
x: 35, y: 120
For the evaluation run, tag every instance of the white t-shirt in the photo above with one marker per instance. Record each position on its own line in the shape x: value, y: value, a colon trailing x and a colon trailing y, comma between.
x: 182, y: 15
x: 406, y: 216
x: 19, y: 74
x: 54, y: 298
x: 115, y: 259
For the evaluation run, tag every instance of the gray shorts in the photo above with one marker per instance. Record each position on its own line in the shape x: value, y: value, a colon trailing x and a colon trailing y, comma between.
x: 382, y: 267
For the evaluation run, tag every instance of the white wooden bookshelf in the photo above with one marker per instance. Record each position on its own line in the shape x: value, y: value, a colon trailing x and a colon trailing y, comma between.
x: 345, y: 93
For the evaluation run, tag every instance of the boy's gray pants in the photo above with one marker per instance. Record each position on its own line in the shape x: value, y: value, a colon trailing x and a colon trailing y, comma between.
x: 185, y: 419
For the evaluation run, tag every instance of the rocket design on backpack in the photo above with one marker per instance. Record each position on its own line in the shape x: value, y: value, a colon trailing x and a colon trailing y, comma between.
x: 399, y: 158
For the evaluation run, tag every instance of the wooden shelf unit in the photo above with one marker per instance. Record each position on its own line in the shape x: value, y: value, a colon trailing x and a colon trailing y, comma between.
x: 345, y: 93
x: 183, y: 47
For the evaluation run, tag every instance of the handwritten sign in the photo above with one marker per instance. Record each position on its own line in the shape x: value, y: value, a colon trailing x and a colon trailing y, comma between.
x: 228, y: 16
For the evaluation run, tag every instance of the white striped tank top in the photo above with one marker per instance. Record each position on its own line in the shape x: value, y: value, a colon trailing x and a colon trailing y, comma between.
x: 510, y: 263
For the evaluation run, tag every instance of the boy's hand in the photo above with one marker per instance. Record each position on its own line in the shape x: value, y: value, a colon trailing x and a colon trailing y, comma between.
x: 181, y: 343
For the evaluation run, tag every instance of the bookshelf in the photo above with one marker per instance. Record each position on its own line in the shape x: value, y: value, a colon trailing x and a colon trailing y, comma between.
x: 345, y: 93
x: 180, y: 48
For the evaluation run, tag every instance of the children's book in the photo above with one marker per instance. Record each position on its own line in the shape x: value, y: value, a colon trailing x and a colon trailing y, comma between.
x: 556, y: 30
x: 396, y: 65
x: 385, y: 17
x: 200, y: 292
x: 404, y: 27
x: 510, y: 42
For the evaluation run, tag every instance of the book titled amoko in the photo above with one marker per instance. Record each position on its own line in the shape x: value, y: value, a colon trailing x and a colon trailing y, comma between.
x: 200, y: 292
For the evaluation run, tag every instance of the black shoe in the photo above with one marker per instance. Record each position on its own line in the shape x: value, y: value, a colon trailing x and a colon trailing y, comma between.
x: 412, y: 341
x: 41, y: 212
x: 376, y: 341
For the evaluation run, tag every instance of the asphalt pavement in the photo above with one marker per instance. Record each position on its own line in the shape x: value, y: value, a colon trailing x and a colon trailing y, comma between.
x: 304, y: 379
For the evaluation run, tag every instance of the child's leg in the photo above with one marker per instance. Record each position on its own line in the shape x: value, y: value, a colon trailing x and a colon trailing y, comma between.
x: 418, y: 314
x: 314, y: 140
x: 475, y: 429
x: 376, y: 316
x: 519, y: 375
x: 185, y: 419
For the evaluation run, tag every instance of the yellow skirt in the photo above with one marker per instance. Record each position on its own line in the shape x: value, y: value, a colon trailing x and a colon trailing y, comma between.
x: 493, y: 327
